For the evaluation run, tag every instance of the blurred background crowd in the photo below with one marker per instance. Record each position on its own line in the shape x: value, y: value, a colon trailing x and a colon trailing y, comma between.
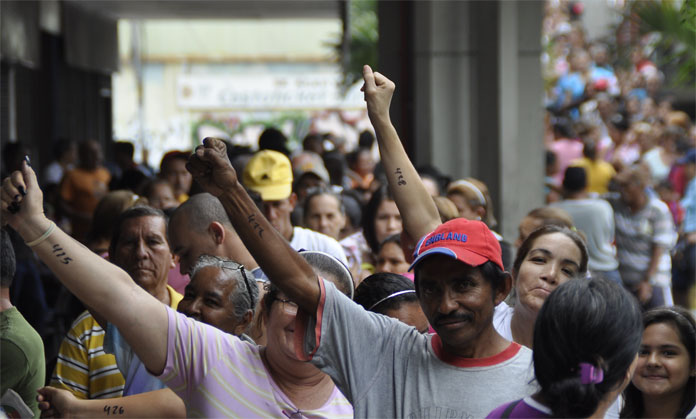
x: 620, y: 157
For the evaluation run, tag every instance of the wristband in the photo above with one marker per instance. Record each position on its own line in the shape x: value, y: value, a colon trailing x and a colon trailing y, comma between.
x: 43, y: 237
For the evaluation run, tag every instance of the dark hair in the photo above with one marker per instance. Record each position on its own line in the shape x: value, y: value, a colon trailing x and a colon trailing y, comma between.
x: 550, y: 229
x: 619, y: 121
x: 376, y: 287
x: 550, y: 158
x: 318, y: 192
x: 685, y: 326
x: 313, y: 142
x: 171, y: 156
x: 589, y: 148
x: 352, y: 206
x: 273, y: 139
x: 562, y: 127
x: 432, y: 172
x: 574, y: 179
x: 134, y: 212
x: 7, y: 259
x: 366, y: 139
x: 324, y: 265
x: 368, y: 222
x: 394, y: 238
x: 352, y: 157
x: 595, y: 322
x: 124, y: 147
x: 335, y: 163
x: 109, y: 208
x: 61, y: 146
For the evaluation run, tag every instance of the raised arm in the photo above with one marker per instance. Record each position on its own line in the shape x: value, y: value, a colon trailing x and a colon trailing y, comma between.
x: 99, y: 284
x: 417, y: 208
x: 288, y: 270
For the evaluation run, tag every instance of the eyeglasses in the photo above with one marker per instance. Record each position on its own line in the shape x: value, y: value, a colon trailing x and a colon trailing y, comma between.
x: 234, y: 266
x: 288, y: 306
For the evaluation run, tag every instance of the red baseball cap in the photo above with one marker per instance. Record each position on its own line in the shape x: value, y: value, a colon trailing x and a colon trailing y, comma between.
x: 468, y: 241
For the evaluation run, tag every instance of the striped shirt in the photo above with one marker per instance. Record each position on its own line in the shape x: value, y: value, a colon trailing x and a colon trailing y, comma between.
x: 219, y: 375
x: 637, y: 233
x: 83, y: 367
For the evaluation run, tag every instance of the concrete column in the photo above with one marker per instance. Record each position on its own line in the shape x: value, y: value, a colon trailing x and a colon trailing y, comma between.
x: 521, y: 113
x: 469, y: 76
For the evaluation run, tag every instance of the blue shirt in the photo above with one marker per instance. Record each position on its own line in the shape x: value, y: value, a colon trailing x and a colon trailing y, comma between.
x: 689, y: 205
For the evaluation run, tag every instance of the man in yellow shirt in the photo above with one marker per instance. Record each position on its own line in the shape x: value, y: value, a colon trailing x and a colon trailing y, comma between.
x: 139, y: 247
x: 599, y: 172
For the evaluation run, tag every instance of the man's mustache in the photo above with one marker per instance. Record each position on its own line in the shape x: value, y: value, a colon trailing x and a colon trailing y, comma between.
x: 452, y: 317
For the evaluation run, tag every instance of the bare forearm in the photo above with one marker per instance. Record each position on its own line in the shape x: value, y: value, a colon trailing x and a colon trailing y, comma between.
x: 657, y: 252
x: 76, y: 266
x: 417, y: 208
x: 282, y: 264
x: 105, y: 288
x: 154, y: 404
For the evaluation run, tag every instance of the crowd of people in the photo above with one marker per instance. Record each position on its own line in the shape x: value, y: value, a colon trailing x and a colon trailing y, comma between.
x: 276, y: 284
x: 322, y: 283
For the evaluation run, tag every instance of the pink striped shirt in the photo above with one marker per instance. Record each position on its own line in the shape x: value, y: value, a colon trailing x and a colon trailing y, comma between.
x: 218, y: 375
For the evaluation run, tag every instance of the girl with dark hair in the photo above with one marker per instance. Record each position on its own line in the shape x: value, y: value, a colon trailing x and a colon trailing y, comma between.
x: 381, y: 218
x: 392, y: 295
x: 549, y: 256
x: 391, y: 257
x: 663, y: 384
x: 586, y: 338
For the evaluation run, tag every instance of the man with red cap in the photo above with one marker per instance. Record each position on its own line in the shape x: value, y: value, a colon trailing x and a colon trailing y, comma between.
x: 384, y: 367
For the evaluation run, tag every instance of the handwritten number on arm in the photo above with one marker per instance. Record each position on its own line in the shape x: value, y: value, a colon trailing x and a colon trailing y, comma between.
x: 61, y: 255
x: 400, y: 177
x: 255, y: 224
x: 113, y: 410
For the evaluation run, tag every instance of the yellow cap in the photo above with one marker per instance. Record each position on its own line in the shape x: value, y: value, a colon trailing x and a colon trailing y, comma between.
x: 270, y: 174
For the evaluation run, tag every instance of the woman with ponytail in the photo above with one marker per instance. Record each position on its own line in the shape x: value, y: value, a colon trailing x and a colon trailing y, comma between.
x: 586, y: 340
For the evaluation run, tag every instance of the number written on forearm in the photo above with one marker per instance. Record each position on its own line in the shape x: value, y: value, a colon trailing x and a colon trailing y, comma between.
x: 113, y: 410
x: 60, y: 254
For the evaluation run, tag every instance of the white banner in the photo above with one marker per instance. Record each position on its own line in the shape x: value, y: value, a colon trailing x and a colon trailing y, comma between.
x: 265, y: 91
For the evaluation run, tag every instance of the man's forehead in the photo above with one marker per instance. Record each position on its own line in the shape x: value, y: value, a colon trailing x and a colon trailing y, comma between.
x: 150, y: 224
x: 441, y: 266
x: 277, y: 201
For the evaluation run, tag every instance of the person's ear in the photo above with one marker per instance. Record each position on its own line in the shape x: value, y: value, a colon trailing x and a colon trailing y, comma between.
x: 292, y: 200
x: 244, y: 324
x: 481, y: 212
x: 173, y: 261
x: 217, y: 231
x: 504, y: 289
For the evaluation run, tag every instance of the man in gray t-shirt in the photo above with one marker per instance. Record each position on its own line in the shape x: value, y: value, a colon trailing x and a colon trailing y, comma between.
x: 387, y: 369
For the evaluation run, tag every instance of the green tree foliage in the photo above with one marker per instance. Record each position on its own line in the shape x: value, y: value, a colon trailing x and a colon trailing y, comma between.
x: 361, y: 41
x: 675, y: 22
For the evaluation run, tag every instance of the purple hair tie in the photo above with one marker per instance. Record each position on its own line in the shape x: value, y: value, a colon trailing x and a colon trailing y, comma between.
x: 589, y: 374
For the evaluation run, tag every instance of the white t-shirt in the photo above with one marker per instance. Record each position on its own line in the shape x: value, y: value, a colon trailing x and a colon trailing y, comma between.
x: 502, y: 316
x: 303, y: 238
